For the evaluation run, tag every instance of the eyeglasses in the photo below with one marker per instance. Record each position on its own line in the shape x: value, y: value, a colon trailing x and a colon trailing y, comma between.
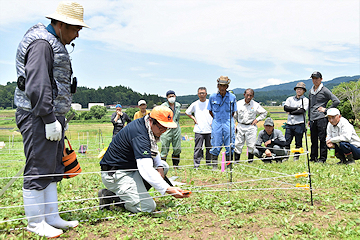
x: 161, y: 128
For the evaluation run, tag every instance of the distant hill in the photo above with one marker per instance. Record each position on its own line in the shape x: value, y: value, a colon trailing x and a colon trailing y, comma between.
x: 290, y: 85
x: 275, y: 93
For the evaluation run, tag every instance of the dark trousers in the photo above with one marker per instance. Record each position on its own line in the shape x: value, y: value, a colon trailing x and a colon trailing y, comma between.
x: 43, y: 157
x: 296, y: 131
x: 318, y: 134
x: 198, y: 150
x: 346, y: 148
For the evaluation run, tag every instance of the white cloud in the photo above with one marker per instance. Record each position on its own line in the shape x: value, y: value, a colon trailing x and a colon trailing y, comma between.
x: 221, y: 33
x: 225, y: 34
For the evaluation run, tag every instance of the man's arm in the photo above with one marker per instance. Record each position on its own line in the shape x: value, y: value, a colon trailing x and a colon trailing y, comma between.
x: 211, y: 113
x: 147, y: 171
x: 114, y: 118
x: 345, y: 134
x: 189, y: 112
x: 39, y: 61
x: 335, y: 100
x: 262, y: 113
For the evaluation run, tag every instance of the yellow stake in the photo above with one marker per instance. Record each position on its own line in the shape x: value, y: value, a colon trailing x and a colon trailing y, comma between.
x: 298, y: 150
x: 306, y: 186
x: 304, y: 174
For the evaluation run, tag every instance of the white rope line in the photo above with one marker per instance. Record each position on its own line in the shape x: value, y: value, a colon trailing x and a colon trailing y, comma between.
x: 127, y: 170
x: 78, y: 209
x: 246, y: 181
x: 86, y: 208
x: 212, y: 185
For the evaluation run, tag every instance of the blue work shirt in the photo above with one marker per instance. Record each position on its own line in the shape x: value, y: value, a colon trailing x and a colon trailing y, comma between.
x: 220, y: 106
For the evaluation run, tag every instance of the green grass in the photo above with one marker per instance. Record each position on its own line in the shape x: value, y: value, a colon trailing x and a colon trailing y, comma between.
x: 211, y: 212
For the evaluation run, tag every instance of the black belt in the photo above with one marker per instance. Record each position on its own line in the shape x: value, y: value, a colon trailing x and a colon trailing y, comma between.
x: 108, y: 168
x: 245, y: 123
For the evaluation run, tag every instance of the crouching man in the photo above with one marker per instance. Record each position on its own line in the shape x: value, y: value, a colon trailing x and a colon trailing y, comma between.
x: 274, y: 142
x: 132, y: 163
x: 341, y: 135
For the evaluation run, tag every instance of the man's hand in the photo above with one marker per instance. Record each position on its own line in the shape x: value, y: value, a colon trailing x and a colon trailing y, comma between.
x: 268, y: 153
x: 267, y: 143
x: 176, y: 192
x: 53, y: 131
x: 330, y: 144
x: 254, y: 122
x: 161, y: 171
x: 321, y: 109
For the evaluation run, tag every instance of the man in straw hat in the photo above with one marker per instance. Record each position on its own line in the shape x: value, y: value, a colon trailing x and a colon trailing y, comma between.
x: 296, y: 107
x: 43, y: 97
x: 319, y: 96
x: 132, y: 163
x: 222, y: 106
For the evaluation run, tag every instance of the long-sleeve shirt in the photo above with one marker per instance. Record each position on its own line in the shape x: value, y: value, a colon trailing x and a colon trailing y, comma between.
x: 318, y: 99
x: 39, y: 61
x: 296, y: 107
x: 246, y: 112
x: 342, y: 132
x: 276, y: 137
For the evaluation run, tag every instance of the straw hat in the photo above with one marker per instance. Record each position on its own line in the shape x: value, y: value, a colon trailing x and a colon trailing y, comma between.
x: 223, y: 80
x: 300, y: 85
x: 69, y: 12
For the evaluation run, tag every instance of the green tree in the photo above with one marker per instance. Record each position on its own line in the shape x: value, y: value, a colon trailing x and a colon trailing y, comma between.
x: 348, y: 93
x: 131, y: 112
x: 98, y: 111
x: 86, y: 115
x: 71, y: 111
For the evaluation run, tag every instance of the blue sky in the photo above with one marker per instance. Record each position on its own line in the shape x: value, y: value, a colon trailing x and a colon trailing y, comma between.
x: 154, y: 46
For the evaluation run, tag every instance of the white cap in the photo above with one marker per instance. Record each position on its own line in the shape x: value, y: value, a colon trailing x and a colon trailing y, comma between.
x: 141, y: 102
x: 332, y: 112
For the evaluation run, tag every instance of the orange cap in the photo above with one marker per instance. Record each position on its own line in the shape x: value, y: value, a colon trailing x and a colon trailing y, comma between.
x: 164, y: 116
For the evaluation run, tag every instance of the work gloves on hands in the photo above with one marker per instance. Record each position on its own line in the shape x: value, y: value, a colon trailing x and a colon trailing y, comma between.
x: 53, y: 131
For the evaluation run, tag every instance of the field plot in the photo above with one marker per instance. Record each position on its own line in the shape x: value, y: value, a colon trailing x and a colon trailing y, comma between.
x: 260, y: 202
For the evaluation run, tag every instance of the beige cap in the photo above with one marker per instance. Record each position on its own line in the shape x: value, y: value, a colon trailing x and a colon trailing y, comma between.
x: 69, y: 12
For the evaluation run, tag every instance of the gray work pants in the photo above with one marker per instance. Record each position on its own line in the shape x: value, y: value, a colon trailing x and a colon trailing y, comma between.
x: 198, y: 150
x: 43, y: 157
x: 130, y: 188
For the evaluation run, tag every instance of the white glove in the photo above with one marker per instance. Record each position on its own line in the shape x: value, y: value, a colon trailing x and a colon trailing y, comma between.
x: 53, y: 131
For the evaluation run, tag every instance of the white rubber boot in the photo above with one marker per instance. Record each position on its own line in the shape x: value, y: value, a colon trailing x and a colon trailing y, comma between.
x: 34, y: 211
x: 51, y: 209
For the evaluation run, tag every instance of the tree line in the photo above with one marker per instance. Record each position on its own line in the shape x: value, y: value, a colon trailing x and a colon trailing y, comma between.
x: 107, y: 95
